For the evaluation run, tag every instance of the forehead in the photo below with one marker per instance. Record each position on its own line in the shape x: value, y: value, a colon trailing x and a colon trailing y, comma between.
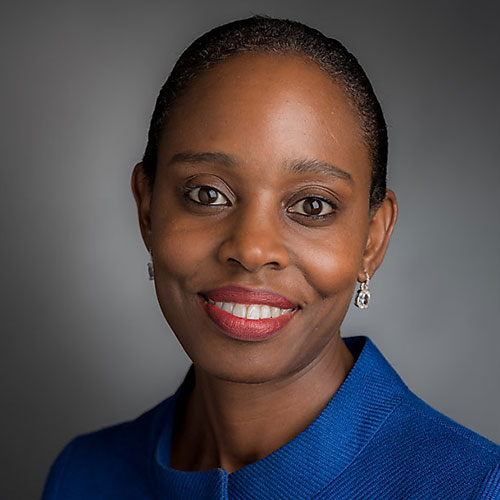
x: 260, y: 104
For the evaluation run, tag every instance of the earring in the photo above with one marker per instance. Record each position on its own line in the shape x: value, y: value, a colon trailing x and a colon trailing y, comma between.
x: 151, y: 269
x: 363, y: 294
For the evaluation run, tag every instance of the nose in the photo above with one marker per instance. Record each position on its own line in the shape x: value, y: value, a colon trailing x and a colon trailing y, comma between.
x: 254, y: 239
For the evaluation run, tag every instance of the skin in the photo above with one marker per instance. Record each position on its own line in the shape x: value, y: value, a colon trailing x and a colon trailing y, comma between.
x: 263, y: 110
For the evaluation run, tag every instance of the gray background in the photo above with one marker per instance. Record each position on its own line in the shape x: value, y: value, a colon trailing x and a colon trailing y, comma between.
x: 83, y: 342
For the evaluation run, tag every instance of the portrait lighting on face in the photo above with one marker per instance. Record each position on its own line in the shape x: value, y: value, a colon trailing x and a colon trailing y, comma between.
x: 260, y: 200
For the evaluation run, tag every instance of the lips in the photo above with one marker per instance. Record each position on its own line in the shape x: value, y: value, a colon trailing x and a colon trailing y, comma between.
x: 240, y: 295
x: 243, y: 328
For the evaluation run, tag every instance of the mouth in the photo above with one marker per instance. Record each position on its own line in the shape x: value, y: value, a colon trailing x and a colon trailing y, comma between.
x: 248, y: 296
x: 250, y: 311
x: 247, y: 321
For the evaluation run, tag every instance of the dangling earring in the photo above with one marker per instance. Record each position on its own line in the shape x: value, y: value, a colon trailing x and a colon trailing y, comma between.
x: 151, y: 269
x: 363, y: 295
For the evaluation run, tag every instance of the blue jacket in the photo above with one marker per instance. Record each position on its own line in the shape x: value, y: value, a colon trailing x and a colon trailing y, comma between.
x: 374, y: 440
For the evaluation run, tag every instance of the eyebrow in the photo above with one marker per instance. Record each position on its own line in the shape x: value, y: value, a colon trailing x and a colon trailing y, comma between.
x: 299, y: 166
x: 314, y: 166
x: 208, y: 158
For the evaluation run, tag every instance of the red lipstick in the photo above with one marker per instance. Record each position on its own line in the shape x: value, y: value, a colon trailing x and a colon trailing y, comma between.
x: 247, y: 329
x: 240, y: 295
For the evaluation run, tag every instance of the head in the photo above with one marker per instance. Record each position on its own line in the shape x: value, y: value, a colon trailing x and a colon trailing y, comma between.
x: 265, y: 168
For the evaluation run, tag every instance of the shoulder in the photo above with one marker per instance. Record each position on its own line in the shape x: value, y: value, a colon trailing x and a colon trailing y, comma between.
x: 424, y: 454
x: 111, y: 462
x: 416, y: 452
x: 430, y: 430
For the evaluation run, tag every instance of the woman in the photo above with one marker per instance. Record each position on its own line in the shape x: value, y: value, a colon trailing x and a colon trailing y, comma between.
x: 262, y: 200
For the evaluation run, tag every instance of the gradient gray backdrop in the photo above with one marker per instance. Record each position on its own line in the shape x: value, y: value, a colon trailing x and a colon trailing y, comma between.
x: 84, y: 343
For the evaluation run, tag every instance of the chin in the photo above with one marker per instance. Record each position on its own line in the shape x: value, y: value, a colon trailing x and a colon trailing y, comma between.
x: 247, y: 367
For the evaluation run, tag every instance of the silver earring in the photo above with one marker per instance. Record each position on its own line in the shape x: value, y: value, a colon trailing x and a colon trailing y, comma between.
x: 151, y: 269
x: 363, y: 294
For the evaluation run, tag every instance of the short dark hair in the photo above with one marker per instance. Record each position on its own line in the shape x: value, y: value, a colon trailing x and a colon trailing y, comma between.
x: 278, y: 36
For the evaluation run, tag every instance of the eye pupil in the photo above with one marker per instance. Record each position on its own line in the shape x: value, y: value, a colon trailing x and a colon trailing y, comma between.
x: 207, y: 195
x: 312, y: 206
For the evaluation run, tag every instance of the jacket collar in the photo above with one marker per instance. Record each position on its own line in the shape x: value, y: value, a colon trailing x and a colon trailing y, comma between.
x: 311, y: 460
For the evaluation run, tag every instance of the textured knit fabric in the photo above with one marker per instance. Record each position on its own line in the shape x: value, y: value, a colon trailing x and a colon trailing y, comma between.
x: 375, y: 439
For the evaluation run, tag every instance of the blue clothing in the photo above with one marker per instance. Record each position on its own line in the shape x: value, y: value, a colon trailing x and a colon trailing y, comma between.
x: 375, y: 439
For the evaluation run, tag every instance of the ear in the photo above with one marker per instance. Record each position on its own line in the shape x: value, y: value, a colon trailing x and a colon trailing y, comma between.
x: 379, y: 233
x: 143, y: 190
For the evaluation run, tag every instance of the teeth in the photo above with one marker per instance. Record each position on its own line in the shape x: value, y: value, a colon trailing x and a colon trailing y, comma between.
x: 251, y: 311
x: 239, y: 310
x: 228, y: 307
x: 265, y: 312
x: 275, y: 312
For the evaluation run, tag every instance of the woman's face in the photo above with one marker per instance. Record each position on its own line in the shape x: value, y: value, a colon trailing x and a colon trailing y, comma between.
x: 284, y: 207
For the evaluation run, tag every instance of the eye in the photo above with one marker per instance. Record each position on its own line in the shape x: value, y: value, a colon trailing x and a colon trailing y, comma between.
x: 314, y: 207
x: 206, y: 195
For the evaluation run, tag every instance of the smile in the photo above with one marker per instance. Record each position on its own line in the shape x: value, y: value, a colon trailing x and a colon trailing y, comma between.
x: 250, y: 322
x: 251, y: 311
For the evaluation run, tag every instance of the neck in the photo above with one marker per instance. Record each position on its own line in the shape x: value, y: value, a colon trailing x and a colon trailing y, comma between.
x: 229, y: 425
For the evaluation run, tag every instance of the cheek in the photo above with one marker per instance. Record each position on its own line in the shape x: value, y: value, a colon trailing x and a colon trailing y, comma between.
x: 180, y: 251
x: 331, y: 263
x: 179, y: 247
